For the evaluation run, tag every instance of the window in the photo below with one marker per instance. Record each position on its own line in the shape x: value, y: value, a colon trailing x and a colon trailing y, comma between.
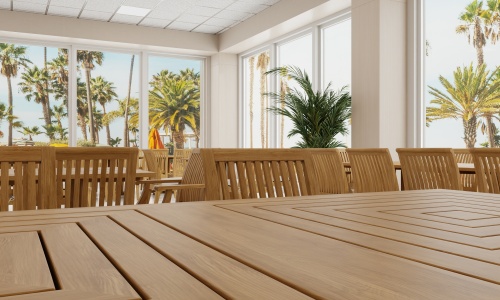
x: 336, y: 63
x: 33, y: 94
x: 258, y: 127
x: 174, y: 100
x: 114, y: 94
x: 456, y: 114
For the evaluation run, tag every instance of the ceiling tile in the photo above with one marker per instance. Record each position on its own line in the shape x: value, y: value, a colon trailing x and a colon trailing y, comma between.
x: 204, y: 11
x: 265, y: 2
x: 155, y: 22
x: 233, y: 15
x: 216, y: 3
x: 208, y: 29
x: 182, y: 26
x: 166, y: 15
x: 95, y: 15
x: 219, y: 22
x: 63, y: 11
x: 4, y: 4
x: 68, y: 3
x: 118, y: 18
x: 29, y: 7
x: 247, y: 7
x: 142, y: 3
x: 100, y: 5
x: 44, y: 2
x: 174, y: 5
x: 191, y: 19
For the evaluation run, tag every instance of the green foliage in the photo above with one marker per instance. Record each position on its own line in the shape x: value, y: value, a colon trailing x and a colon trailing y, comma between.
x: 114, y: 142
x: 317, y: 117
x: 84, y: 143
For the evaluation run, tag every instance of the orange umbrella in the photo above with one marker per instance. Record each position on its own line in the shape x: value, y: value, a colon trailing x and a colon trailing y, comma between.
x: 154, y: 140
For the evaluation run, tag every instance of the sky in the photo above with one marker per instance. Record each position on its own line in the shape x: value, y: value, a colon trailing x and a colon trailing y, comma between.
x: 115, y: 68
x: 449, y: 50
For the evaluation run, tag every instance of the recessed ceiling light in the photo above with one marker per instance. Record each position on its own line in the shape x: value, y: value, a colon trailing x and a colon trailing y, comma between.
x: 133, y: 11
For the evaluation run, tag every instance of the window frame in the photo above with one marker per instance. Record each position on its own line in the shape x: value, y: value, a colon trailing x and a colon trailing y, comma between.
x: 142, y: 57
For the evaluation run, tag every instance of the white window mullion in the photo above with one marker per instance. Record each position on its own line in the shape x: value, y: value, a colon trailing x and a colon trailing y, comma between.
x: 316, y: 59
x: 273, y: 88
x: 143, y: 100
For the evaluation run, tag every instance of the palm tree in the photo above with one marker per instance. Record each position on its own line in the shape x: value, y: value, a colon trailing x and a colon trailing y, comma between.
x: 251, y: 62
x: 12, y: 57
x: 81, y: 106
x: 317, y: 117
x: 262, y: 64
x: 59, y: 112
x: 174, y: 105
x: 481, y: 25
x: 133, y: 108
x: 88, y: 60
x: 473, y: 94
x: 34, y: 86
x: 126, y: 141
x: 58, y: 69
x: 30, y: 131
x: 160, y: 77
x: 4, y: 114
x: 103, y: 92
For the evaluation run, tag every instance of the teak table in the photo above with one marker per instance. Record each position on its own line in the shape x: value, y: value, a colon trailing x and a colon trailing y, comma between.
x: 398, y: 245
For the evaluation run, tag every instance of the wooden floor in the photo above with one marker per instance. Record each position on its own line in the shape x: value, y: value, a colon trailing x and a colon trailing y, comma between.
x: 397, y: 245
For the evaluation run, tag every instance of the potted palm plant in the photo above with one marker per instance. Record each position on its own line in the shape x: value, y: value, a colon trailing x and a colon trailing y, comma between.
x: 317, y: 117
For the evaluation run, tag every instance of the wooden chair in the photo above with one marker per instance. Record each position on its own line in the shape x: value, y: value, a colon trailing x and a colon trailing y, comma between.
x: 487, y: 164
x: 157, y: 161
x: 330, y: 171
x: 258, y: 173
x: 189, y: 188
x: 429, y: 168
x: 97, y: 177
x: 468, y: 180
x: 27, y: 178
x: 372, y: 170
x: 181, y: 157
x: 345, y: 159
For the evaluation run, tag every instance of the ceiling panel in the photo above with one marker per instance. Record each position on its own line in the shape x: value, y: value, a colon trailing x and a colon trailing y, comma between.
x: 207, y: 16
x: 95, y: 15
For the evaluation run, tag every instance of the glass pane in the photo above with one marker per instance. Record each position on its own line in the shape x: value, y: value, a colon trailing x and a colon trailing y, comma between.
x: 33, y: 95
x: 174, y: 101
x: 337, y: 61
x: 458, y: 119
x: 256, y: 117
x: 296, y: 53
x: 114, y: 94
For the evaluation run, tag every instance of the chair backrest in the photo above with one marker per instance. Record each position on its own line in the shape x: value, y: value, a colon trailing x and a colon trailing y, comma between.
x: 26, y: 178
x: 372, y: 170
x: 98, y: 177
x: 258, y: 173
x: 345, y: 159
x: 463, y: 155
x: 181, y: 157
x: 193, y: 174
x: 487, y: 165
x: 429, y: 168
x: 157, y: 161
x: 330, y: 171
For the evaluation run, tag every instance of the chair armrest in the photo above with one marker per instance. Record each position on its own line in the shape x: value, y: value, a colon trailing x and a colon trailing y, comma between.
x: 174, y: 187
x: 159, y: 181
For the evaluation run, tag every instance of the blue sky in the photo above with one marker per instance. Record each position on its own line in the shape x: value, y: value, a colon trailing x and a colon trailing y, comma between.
x: 448, y: 51
x: 115, y: 68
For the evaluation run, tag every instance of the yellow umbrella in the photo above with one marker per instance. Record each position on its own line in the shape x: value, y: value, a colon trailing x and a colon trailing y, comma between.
x: 154, y: 140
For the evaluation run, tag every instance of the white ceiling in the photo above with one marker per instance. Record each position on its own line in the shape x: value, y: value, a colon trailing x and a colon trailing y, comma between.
x: 206, y: 16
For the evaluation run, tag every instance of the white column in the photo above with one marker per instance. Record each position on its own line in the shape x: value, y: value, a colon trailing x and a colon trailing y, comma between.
x: 223, y: 104
x: 379, y: 73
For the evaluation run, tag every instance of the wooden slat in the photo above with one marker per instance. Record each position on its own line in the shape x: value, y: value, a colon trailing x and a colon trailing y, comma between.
x: 79, y: 265
x: 23, y: 268
x: 153, y: 275
x: 66, y: 295
x: 4, y: 186
x: 230, y: 278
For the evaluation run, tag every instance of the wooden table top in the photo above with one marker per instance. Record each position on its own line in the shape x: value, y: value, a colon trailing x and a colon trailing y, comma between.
x: 397, y: 245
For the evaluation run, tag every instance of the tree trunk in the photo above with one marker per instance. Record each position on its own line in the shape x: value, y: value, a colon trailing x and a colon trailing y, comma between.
x: 89, y: 105
x: 262, y: 109
x: 108, y: 132
x: 46, y: 110
x: 11, y: 111
x: 470, y: 132
x: 83, y: 127
x: 126, y: 140
x: 489, y: 127
x: 178, y: 137
x: 479, y: 41
x: 46, y: 104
